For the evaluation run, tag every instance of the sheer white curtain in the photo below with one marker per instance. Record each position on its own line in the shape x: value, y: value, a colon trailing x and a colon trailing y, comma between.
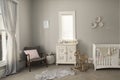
x: 9, y: 13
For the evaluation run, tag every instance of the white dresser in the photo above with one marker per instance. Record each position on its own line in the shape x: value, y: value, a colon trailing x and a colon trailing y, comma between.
x: 65, y: 53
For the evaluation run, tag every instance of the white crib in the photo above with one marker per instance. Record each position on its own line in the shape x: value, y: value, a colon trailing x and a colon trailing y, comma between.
x: 106, y: 56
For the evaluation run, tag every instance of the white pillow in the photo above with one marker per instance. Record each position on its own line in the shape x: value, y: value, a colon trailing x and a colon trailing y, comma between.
x: 33, y: 53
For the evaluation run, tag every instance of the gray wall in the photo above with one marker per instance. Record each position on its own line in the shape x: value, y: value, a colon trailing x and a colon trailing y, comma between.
x: 24, y: 28
x: 119, y: 21
x: 25, y: 23
x: 86, y: 12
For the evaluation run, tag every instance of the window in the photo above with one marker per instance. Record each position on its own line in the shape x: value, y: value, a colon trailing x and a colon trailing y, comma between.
x: 3, y: 38
x: 67, y: 25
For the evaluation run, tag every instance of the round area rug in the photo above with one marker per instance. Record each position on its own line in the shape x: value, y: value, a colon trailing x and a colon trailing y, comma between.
x: 51, y: 74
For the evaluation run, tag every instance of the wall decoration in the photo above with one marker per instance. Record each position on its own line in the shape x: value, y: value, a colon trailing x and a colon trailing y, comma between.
x: 46, y: 24
x: 98, y: 22
x: 98, y: 19
x: 94, y: 25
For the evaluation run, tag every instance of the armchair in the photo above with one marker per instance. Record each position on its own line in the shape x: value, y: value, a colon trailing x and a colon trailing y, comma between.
x: 33, y: 54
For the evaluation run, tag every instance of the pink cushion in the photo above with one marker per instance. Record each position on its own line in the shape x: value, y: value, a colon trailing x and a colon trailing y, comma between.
x: 33, y: 53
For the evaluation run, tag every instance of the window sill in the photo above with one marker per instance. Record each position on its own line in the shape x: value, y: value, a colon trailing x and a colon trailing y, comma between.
x: 2, y: 63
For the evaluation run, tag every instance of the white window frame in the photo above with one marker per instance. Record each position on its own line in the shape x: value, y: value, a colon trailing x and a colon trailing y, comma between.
x: 4, y: 50
x: 3, y: 46
x: 60, y: 23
